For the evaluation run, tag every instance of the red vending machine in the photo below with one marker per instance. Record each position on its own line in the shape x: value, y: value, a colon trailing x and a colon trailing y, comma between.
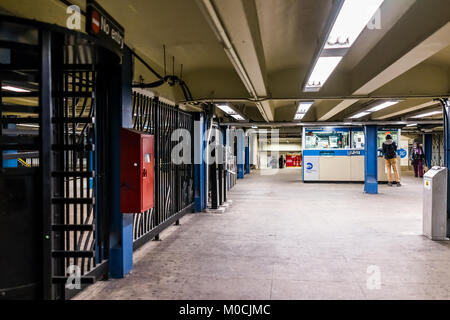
x: 136, y: 171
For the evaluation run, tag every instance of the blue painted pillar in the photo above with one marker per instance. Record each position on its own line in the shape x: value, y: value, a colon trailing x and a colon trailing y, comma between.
x: 371, y: 160
x: 247, y: 154
x: 446, y: 108
x: 199, y: 163
x: 428, y: 147
x: 227, y: 146
x: 240, y: 153
x: 121, y: 235
x: 10, y: 163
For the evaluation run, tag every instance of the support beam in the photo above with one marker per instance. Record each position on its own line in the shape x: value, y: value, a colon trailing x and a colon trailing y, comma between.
x: 235, y: 23
x: 403, y: 108
x: 371, y: 160
x: 336, y: 109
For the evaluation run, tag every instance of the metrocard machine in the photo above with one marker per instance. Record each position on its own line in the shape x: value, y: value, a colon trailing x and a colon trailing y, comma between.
x: 336, y: 154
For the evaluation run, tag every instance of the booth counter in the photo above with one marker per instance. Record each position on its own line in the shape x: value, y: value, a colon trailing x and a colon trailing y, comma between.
x: 337, y: 154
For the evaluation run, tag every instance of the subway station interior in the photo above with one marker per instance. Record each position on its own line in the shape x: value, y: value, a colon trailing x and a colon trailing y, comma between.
x: 224, y: 150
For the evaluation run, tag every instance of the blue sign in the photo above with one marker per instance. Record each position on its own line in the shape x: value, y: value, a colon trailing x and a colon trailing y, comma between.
x: 402, y: 153
x: 309, y: 166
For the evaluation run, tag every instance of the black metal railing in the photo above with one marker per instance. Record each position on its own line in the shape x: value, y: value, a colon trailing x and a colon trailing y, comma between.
x: 174, y: 183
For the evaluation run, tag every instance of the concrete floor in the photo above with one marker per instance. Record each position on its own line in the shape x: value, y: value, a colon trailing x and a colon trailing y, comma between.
x: 283, y: 239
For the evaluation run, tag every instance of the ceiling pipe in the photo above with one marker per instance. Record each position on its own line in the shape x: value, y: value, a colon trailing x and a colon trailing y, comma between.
x: 314, y: 97
x: 214, y: 20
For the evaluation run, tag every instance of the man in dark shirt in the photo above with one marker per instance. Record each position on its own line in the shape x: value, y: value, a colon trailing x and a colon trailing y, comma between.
x: 390, y: 155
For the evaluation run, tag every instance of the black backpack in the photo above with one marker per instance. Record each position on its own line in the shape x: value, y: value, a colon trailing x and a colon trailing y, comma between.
x: 390, y: 151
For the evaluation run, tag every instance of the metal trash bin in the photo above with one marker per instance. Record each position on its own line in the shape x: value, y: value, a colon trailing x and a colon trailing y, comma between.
x: 435, y: 204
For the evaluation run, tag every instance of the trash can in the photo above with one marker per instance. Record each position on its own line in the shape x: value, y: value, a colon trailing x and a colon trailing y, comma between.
x: 435, y: 203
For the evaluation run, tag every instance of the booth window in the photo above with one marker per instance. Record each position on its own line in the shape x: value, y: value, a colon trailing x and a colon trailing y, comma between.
x: 358, y: 139
x: 327, y: 139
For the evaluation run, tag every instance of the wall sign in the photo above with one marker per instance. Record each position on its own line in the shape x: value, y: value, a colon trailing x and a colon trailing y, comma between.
x: 402, y: 153
x: 101, y: 25
x: 311, y: 170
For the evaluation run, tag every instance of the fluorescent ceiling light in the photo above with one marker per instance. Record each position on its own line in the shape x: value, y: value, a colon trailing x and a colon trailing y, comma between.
x: 411, y: 125
x: 353, y: 17
x: 225, y: 108
x: 322, y: 70
x: 383, y: 105
x: 428, y: 114
x: 303, y: 107
x: 351, y: 21
x: 299, y: 116
x: 254, y: 127
x: 237, y: 116
x: 15, y: 89
x: 28, y: 125
x: 360, y: 115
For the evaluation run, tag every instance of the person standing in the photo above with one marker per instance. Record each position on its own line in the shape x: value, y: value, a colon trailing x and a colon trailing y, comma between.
x: 417, y: 159
x: 390, y: 156
x: 281, y: 162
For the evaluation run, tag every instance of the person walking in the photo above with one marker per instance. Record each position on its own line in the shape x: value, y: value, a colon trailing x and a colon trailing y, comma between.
x: 281, y: 162
x: 417, y: 159
x: 390, y: 156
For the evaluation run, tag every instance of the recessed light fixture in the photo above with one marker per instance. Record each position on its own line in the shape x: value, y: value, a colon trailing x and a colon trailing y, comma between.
x: 323, y: 69
x: 302, y: 109
x: 353, y: 17
x: 428, y: 114
x: 351, y: 21
x: 383, y: 105
x: 230, y: 111
x: 237, y: 117
x: 360, y: 115
x: 15, y: 89
x: 225, y: 108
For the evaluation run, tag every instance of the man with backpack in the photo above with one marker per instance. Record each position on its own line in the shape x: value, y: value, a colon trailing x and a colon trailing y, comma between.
x: 390, y: 154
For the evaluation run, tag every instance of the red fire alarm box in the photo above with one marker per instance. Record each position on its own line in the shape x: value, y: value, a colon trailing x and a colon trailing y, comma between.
x: 136, y: 171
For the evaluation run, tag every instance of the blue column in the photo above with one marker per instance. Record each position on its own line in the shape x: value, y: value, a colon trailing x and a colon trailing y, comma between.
x: 446, y: 108
x: 247, y: 154
x: 371, y: 160
x: 240, y: 153
x: 199, y: 163
x: 428, y: 147
x: 121, y: 235
x: 10, y: 163
x: 227, y: 144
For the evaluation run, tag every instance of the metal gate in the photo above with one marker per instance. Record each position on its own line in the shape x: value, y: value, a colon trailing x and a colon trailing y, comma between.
x: 54, y: 146
x: 174, y: 184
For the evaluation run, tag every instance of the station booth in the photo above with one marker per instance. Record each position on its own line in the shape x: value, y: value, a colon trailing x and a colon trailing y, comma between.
x: 336, y: 154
